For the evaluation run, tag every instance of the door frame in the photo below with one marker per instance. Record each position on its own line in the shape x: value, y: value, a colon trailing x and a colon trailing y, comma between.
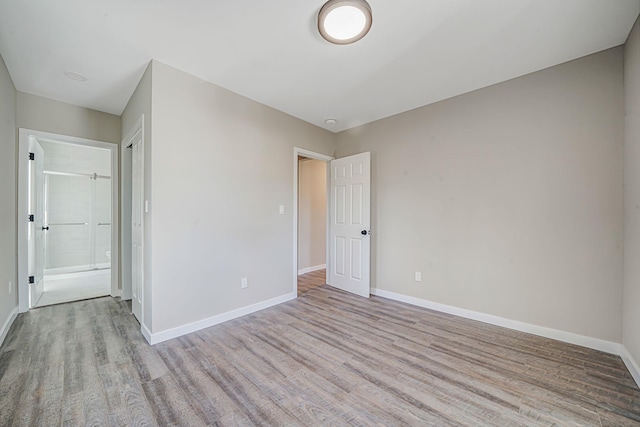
x: 126, y: 193
x: 126, y: 270
x: 316, y: 156
x: 22, y: 211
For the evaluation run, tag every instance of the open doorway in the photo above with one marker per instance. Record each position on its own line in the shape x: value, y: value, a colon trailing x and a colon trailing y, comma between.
x: 311, y: 221
x: 67, y: 194
x: 348, y: 223
x: 77, y: 222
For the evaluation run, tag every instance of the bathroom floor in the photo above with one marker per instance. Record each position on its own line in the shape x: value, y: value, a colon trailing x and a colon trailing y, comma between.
x: 61, y: 288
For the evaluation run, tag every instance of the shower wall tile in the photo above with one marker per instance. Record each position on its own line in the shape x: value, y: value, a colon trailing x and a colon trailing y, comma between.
x: 76, y: 158
x: 69, y: 200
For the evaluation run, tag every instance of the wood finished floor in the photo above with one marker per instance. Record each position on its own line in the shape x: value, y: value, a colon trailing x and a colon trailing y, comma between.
x: 327, y: 358
x: 312, y: 280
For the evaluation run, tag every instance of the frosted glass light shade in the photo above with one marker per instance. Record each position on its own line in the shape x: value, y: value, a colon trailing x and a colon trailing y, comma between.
x: 344, y: 21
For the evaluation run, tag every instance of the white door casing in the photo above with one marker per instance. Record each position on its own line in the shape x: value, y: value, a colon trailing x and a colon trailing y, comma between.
x: 297, y: 152
x: 350, y: 221
x: 137, y: 225
x: 37, y: 227
x: 23, y: 210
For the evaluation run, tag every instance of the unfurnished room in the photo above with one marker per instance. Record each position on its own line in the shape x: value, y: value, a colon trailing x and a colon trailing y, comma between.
x: 322, y: 212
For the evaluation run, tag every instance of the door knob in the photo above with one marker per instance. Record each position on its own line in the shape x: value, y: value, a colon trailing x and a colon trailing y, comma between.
x: 45, y: 228
x: 364, y: 232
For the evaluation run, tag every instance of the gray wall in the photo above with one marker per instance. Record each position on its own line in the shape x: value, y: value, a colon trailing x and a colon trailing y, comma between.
x: 312, y: 213
x: 631, y: 291
x: 509, y: 199
x: 47, y: 115
x: 138, y: 105
x: 222, y: 164
x: 8, y: 204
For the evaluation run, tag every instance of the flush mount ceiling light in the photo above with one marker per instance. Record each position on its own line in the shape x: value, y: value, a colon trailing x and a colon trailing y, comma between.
x: 75, y: 76
x: 344, y: 21
x: 331, y: 121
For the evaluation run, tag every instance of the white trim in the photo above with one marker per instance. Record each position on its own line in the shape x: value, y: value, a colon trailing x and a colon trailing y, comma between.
x: 23, y: 179
x: 23, y: 246
x: 146, y: 333
x: 125, y: 216
x: 311, y: 269
x: 7, y: 324
x: 125, y: 190
x: 631, y: 364
x: 568, y: 337
x: 313, y: 155
x: 132, y: 132
x: 115, y: 221
x: 214, y: 320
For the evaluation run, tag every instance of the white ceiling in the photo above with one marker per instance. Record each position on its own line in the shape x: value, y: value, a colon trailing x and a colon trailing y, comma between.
x: 418, y: 51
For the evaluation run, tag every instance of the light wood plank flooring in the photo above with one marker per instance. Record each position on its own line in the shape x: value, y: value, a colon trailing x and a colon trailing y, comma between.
x: 312, y: 280
x: 327, y: 358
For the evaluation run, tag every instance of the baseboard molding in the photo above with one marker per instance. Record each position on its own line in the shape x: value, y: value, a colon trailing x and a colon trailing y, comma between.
x: 155, y: 338
x: 146, y: 333
x: 7, y: 324
x: 631, y: 364
x: 312, y: 268
x: 568, y: 337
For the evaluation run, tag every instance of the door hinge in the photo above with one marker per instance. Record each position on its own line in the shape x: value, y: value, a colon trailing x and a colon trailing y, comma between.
x: 32, y: 156
x: 32, y: 218
x: 32, y: 279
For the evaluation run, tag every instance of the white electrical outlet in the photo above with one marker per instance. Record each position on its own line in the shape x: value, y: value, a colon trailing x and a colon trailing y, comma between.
x: 244, y: 282
x: 10, y: 286
x: 418, y: 276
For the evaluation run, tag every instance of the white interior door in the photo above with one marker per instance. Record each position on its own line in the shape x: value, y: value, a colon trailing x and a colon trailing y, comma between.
x: 37, y: 226
x: 137, y: 225
x: 349, y: 232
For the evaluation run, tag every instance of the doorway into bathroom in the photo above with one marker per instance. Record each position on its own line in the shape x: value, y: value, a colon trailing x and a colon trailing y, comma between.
x: 75, y: 198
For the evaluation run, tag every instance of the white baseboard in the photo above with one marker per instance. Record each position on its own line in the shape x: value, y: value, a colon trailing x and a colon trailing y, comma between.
x: 631, y: 364
x: 568, y: 337
x: 155, y: 338
x: 312, y: 268
x: 146, y: 333
x: 7, y: 324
